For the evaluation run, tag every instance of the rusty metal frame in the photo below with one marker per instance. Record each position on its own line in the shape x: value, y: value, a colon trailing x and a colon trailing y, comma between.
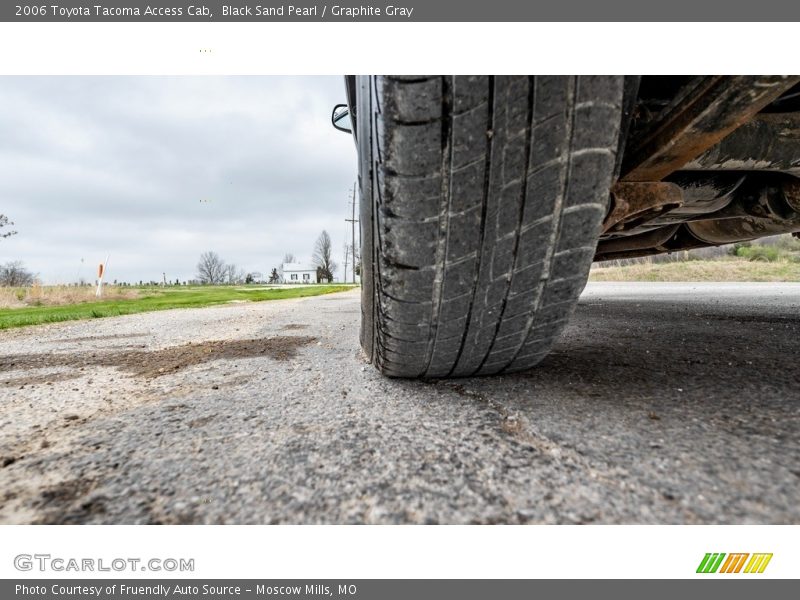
x: 768, y: 142
x: 715, y: 108
x: 634, y: 202
x: 703, y: 114
x: 632, y: 246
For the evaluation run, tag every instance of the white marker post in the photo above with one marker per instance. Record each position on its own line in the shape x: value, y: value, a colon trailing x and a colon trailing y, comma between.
x: 101, y: 270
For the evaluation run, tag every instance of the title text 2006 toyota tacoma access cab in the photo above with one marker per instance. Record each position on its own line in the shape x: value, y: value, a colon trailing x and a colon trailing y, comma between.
x: 484, y: 200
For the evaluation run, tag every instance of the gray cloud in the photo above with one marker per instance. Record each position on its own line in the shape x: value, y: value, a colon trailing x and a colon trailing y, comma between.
x: 119, y: 165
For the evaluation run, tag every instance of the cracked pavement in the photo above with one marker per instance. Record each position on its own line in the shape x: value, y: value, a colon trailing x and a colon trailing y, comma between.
x: 661, y: 403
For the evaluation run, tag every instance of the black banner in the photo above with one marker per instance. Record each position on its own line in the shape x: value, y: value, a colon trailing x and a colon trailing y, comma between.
x: 402, y: 11
x: 371, y: 589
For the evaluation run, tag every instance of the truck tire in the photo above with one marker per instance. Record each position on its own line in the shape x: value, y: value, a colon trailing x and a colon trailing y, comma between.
x: 481, y: 205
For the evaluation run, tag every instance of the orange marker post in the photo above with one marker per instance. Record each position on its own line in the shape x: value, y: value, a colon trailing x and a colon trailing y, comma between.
x: 101, y: 270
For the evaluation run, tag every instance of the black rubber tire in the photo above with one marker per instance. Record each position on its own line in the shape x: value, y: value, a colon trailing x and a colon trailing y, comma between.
x: 481, y: 203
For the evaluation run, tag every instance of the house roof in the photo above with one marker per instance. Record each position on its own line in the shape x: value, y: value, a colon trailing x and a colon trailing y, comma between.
x: 291, y: 267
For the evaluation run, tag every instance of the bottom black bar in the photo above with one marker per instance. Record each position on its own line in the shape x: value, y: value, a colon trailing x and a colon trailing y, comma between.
x: 731, y: 588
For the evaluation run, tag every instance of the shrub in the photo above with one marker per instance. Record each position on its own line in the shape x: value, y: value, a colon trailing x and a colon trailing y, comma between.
x: 14, y: 274
x: 758, y: 253
x: 788, y: 243
x: 734, y: 249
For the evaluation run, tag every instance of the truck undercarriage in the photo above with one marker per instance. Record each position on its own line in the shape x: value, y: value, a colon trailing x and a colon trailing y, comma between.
x: 707, y: 160
x: 485, y: 199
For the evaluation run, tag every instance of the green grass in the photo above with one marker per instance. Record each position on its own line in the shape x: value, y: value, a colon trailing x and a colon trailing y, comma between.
x: 759, y: 253
x: 151, y: 299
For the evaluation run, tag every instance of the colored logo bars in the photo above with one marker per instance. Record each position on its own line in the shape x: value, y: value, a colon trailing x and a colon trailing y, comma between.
x: 734, y: 562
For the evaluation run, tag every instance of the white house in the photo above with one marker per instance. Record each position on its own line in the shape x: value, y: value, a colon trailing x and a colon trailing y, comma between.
x: 299, y: 273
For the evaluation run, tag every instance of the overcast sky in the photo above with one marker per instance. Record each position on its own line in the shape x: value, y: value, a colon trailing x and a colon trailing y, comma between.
x: 156, y: 170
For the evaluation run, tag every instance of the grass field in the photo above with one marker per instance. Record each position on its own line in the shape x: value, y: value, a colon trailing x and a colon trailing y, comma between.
x: 732, y: 269
x: 138, y: 300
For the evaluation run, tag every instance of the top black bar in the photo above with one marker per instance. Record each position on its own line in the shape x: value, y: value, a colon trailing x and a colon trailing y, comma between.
x: 403, y: 11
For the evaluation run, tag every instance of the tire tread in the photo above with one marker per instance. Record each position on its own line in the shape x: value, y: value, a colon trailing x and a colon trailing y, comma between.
x: 485, y: 196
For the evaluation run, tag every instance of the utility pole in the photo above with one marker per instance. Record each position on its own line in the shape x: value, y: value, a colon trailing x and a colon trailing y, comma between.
x: 353, y: 222
x: 346, y: 253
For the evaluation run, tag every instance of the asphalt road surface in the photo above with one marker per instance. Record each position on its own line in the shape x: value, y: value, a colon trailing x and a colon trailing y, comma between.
x: 662, y: 403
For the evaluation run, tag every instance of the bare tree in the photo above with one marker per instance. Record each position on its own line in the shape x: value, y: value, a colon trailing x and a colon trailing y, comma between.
x: 287, y: 258
x: 211, y: 269
x: 323, y: 259
x: 4, y: 222
x: 14, y: 274
x: 356, y: 263
x: 234, y: 275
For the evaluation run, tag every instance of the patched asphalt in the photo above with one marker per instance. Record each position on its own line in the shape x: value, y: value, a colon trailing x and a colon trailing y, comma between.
x: 661, y: 403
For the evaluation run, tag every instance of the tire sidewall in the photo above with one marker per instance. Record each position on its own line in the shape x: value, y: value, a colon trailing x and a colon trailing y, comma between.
x: 364, y: 140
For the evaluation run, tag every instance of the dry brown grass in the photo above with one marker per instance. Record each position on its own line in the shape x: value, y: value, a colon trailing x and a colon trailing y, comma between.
x: 60, y: 295
x: 731, y: 269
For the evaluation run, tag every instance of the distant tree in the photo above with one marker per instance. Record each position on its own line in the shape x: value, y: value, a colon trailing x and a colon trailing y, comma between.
x: 14, y: 274
x: 323, y: 257
x: 287, y: 258
x: 211, y: 269
x: 274, y: 276
x: 234, y: 275
x: 4, y: 222
x: 356, y: 260
x: 249, y: 279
